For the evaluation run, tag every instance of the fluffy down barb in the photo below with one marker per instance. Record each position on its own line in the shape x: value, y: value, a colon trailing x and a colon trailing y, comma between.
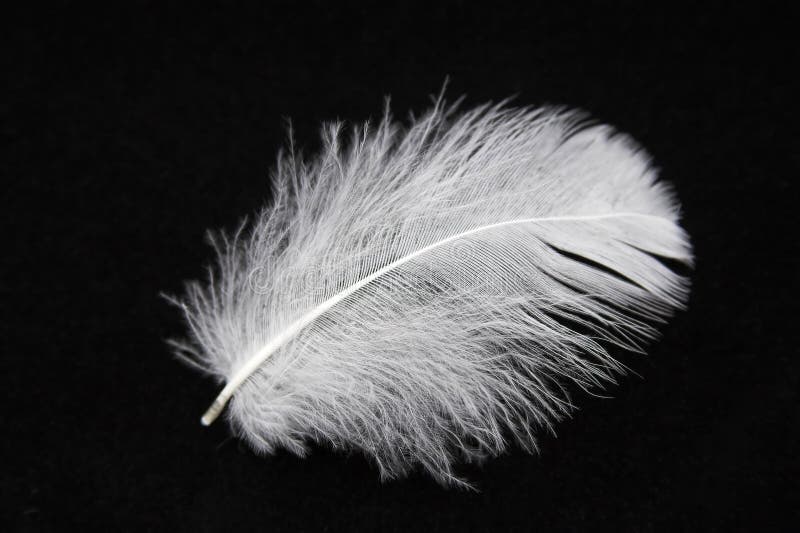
x: 427, y: 294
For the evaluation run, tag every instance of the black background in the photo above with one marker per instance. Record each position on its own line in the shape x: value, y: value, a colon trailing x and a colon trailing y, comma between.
x: 127, y: 133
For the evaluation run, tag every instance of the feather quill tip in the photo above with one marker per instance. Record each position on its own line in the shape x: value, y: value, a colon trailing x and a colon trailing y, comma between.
x: 212, y: 412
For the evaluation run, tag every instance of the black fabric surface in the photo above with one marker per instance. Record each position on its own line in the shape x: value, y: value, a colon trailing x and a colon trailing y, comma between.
x: 128, y: 132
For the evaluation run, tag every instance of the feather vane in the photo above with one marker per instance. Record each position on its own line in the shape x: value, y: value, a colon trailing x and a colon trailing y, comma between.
x: 428, y: 294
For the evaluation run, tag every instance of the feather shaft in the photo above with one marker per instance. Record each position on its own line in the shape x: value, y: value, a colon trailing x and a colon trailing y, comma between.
x: 252, y: 364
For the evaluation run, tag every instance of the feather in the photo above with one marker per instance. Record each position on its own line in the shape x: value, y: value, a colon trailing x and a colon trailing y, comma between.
x: 429, y: 294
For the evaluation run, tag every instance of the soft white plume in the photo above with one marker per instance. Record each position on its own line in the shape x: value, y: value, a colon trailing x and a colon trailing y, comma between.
x: 424, y: 294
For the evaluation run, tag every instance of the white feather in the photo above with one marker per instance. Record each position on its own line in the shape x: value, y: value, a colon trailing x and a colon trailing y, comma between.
x: 425, y: 294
